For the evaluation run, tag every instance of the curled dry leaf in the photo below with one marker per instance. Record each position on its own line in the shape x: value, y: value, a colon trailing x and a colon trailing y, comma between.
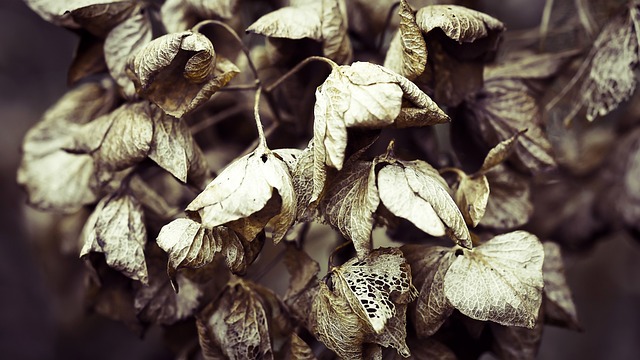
x: 458, y: 23
x: 116, y: 140
x: 238, y: 253
x: 350, y: 204
x: 509, y: 205
x: 157, y: 303
x: 362, y: 95
x: 236, y: 326
x: 366, y: 304
x: 124, y: 40
x: 465, y: 39
x: 407, y: 54
x: 303, y: 284
x: 303, y: 184
x: 188, y: 244
x: 415, y: 191
x: 323, y: 21
x: 500, y: 280
x: 59, y: 12
x: 245, y: 188
x: 53, y: 178
x: 179, y: 71
x: 499, y: 153
x: 102, y: 17
x: 116, y: 229
x: 559, y: 308
x: 429, y: 264
x: 174, y: 149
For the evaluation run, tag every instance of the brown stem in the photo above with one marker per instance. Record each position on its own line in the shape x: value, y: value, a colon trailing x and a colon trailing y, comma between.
x: 297, y: 68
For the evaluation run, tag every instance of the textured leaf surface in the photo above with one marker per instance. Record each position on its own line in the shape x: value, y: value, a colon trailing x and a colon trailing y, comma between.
x: 472, y: 195
x: 509, y: 205
x: 367, y: 304
x: 336, y: 44
x: 407, y: 54
x: 116, y: 228
x: 175, y: 150
x: 414, y: 190
x: 500, y: 280
x: 236, y: 326
x: 125, y: 40
x: 179, y: 71
x: 244, y: 188
x: 429, y: 264
x: 290, y: 23
x: 457, y: 22
x: 117, y: 140
x: 351, y: 201
x: 53, y: 178
x: 188, y: 245
x: 514, y: 342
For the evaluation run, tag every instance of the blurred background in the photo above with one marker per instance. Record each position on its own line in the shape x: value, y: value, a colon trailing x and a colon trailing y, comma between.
x: 42, y: 315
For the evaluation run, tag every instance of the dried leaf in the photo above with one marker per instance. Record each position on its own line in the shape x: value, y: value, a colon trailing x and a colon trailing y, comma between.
x: 362, y: 95
x: 103, y: 16
x: 509, y: 206
x: 428, y: 349
x: 457, y: 22
x: 500, y: 280
x: 158, y: 303
x: 188, y: 244
x: 351, y: 201
x: 179, y: 71
x: 291, y: 22
x: 116, y: 228
x: 528, y: 65
x: 414, y: 190
x: 125, y: 40
x: 335, y: 40
x: 429, y: 264
x: 499, y: 153
x: 297, y: 349
x: 367, y: 304
x: 236, y: 326
x: 238, y: 252
x: 407, y: 54
x: 303, y: 284
x: 303, y: 184
x: 53, y: 178
x: 174, y: 149
x: 505, y: 107
x: 58, y: 12
x: 472, y: 195
x: 611, y: 78
x: 558, y: 305
x: 244, y: 188
x: 116, y: 140
x: 514, y: 342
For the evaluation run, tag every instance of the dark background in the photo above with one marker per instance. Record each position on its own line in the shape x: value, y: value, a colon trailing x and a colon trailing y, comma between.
x: 42, y: 314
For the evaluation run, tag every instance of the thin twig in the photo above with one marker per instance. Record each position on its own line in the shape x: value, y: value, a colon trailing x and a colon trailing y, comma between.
x: 223, y: 115
x: 544, y: 22
x: 262, y: 140
x: 297, y: 68
x: 241, y: 87
x: 387, y: 22
x: 585, y: 19
x: 256, y: 142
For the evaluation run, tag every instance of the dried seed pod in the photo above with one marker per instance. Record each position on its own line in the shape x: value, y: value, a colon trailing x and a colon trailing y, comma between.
x: 199, y: 66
